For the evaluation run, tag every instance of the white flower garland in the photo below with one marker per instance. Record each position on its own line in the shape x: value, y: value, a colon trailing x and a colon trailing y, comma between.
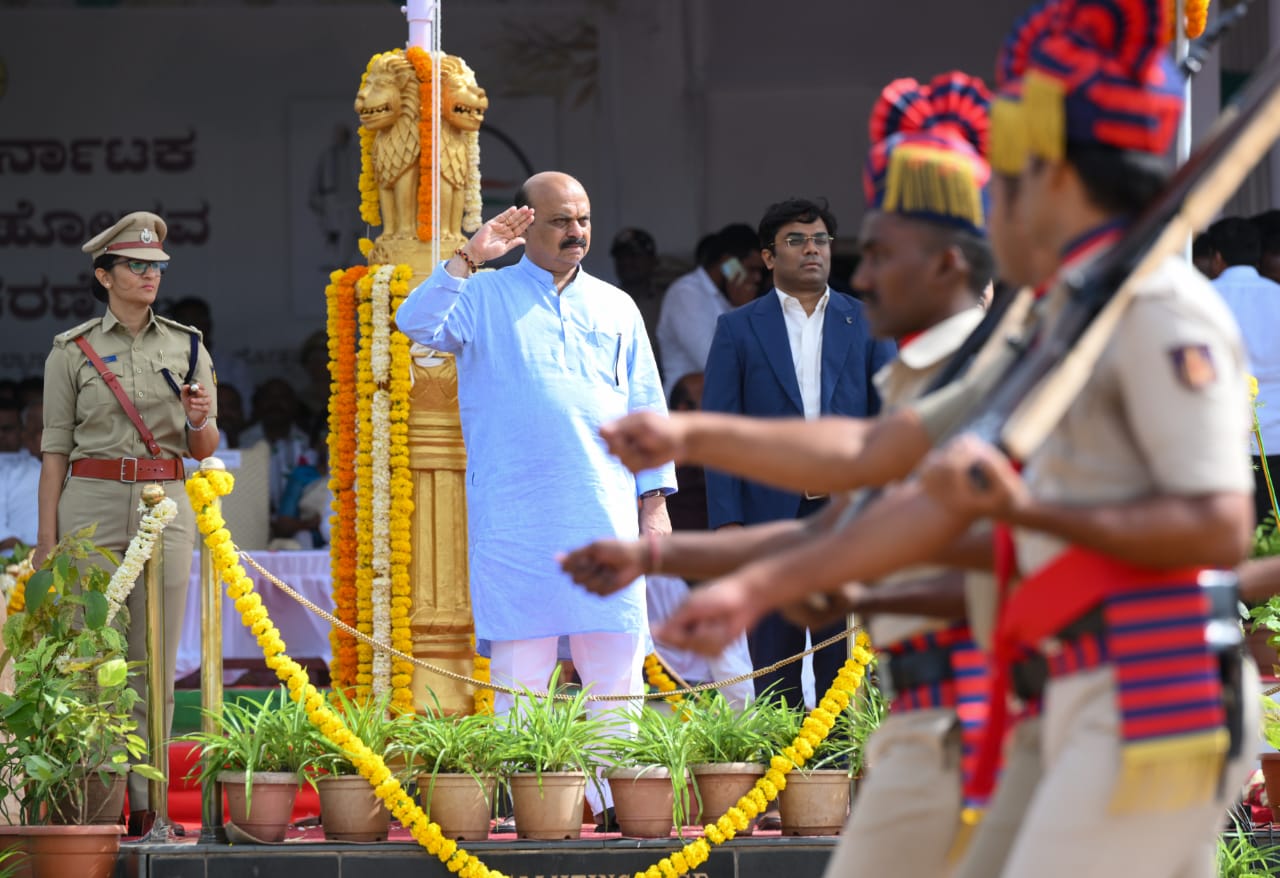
x: 10, y: 575
x: 154, y: 520
x: 380, y: 358
x: 472, y: 205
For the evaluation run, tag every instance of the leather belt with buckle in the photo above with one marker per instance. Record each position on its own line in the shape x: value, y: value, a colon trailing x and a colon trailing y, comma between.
x: 129, y: 469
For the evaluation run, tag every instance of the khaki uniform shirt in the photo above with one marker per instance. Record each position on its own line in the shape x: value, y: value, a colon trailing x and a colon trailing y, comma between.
x: 1165, y: 412
x: 899, y: 382
x: 83, y: 418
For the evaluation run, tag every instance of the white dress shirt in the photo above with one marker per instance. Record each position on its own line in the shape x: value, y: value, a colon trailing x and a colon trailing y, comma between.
x: 804, y: 332
x: 1255, y: 302
x: 687, y: 324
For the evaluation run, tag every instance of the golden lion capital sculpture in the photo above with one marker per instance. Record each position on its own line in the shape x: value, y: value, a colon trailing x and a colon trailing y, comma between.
x: 389, y: 105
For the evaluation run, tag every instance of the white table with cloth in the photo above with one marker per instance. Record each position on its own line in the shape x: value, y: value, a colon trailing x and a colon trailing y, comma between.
x: 305, y: 634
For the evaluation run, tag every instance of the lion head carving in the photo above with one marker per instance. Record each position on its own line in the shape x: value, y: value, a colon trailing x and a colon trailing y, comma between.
x: 462, y: 101
x: 387, y: 104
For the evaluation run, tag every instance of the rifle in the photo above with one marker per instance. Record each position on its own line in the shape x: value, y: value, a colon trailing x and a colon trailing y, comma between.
x: 1047, y: 374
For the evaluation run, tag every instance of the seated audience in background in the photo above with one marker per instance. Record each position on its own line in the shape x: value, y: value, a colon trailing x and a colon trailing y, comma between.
x: 1255, y: 302
x: 275, y: 414
x: 304, y: 506
x: 31, y: 390
x: 729, y: 276
x: 33, y: 428
x: 635, y: 262
x: 230, y: 415
x: 10, y: 426
x: 19, y: 480
x: 313, y: 397
x: 1268, y: 226
x: 8, y: 389
x: 227, y: 367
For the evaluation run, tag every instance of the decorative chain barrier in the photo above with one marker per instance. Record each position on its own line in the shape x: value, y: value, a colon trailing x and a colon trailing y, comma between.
x: 483, y: 684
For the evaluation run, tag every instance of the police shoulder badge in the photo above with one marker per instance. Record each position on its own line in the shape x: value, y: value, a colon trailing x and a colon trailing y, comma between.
x: 1193, y: 364
x: 145, y: 236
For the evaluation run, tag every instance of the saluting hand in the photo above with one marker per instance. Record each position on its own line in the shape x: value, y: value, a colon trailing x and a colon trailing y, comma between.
x: 500, y: 235
x: 644, y: 440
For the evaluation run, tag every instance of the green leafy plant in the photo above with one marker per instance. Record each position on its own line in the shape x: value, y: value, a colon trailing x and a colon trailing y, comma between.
x: 545, y: 735
x: 372, y: 722
x: 70, y: 714
x: 1239, y: 857
x: 1270, y: 728
x: 1266, y: 539
x: 436, y: 744
x: 721, y: 733
x: 661, y: 739
x: 845, y: 746
x: 272, y: 735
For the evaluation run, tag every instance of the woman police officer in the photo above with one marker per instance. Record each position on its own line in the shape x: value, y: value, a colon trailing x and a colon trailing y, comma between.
x: 126, y: 396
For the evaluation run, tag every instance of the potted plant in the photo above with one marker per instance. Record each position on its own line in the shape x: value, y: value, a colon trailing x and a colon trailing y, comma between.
x: 731, y: 748
x: 550, y: 754
x: 69, y: 733
x: 650, y: 774
x: 260, y: 753
x: 816, y: 798
x: 349, y: 809
x: 457, y: 762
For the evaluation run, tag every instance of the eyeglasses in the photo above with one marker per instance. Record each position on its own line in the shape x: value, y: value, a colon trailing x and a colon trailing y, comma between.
x: 142, y: 266
x: 822, y: 239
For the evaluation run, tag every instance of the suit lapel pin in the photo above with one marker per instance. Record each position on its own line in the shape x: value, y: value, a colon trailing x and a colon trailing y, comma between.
x: 848, y: 320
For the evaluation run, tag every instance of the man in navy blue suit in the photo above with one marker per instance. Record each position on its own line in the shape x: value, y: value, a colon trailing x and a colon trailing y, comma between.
x: 802, y: 349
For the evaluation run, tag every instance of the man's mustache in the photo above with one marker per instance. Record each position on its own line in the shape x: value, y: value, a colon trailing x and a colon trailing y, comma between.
x: 573, y: 242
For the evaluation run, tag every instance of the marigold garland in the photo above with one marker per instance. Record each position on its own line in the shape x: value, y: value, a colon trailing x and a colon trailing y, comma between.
x: 380, y: 497
x: 401, y: 501
x: 483, y: 697
x: 341, y: 298
x: 365, y: 389
x: 1195, y: 15
x: 421, y: 61
x: 656, y: 673
x: 204, y: 487
x: 369, y: 211
x: 15, y: 584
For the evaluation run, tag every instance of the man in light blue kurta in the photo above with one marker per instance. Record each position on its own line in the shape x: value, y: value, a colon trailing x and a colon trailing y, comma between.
x: 546, y: 355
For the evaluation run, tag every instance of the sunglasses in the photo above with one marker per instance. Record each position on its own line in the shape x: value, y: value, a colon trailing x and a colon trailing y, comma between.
x: 142, y: 266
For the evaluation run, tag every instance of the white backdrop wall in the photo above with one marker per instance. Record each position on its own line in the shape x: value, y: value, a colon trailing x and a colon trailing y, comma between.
x: 678, y: 115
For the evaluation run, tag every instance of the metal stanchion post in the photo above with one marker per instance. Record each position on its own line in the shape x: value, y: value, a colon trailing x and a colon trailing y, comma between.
x: 211, y: 828
x: 157, y: 745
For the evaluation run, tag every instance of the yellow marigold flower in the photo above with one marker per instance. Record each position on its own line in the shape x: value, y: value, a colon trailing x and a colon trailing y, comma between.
x: 668, y: 870
x: 653, y: 872
x: 738, y: 818
x: 776, y: 777
x: 678, y: 860
x: 778, y: 763
x: 758, y: 798
x: 713, y: 833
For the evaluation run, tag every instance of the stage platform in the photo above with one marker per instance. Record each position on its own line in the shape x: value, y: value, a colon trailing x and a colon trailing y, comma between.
x: 593, y: 856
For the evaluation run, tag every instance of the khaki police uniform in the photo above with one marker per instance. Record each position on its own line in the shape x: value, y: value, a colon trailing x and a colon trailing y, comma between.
x: 909, y: 804
x: 1164, y: 413
x: 84, y: 420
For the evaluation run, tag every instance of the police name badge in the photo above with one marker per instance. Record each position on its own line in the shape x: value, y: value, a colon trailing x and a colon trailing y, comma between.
x: 1193, y: 364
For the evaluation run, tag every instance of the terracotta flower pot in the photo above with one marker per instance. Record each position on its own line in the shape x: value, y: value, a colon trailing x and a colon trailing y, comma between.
x: 88, y: 851
x: 552, y: 810
x: 459, y: 803
x: 1271, y: 775
x: 350, y: 811
x: 722, y: 784
x: 103, y: 804
x: 814, y: 803
x: 272, y: 802
x: 643, y: 800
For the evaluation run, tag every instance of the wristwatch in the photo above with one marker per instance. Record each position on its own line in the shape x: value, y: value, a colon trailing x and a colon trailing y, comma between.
x: 653, y: 492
